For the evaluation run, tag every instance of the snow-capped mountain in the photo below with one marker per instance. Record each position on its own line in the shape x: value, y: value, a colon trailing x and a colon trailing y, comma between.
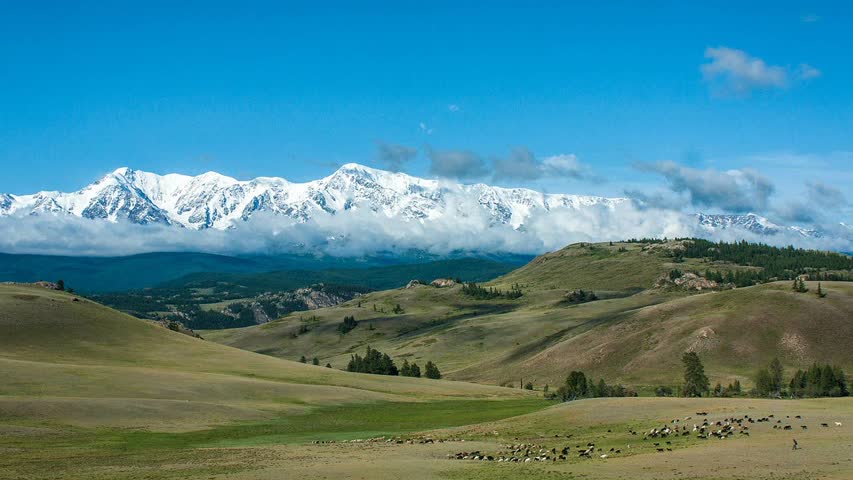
x: 750, y: 222
x: 215, y: 201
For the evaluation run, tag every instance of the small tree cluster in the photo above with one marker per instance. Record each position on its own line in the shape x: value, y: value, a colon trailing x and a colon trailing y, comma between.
x: 482, y: 293
x: 578, y: 386
x: 581, y: 296
x: 768, y: 381
x: 410, y: 370
x: 431, y: 371
x: 398, y: 309
x: 347, y: 325
x: 819, y: 381
x: 721, y: 391
x: 799, y: 285
x: 374, y: 362
x: 664, y: 391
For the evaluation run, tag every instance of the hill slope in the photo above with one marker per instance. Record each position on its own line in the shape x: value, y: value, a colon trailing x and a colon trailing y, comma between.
x: 634, y: 334
x: 78, y: 362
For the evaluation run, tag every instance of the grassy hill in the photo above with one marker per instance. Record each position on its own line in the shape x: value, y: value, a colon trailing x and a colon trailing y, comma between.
x: 82, y: 363
x: 634, y: 334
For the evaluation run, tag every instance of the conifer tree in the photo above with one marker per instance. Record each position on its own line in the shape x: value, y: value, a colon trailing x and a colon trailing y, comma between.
x: 695, y: 381
x: 431, y: 371
x: 777, y: 373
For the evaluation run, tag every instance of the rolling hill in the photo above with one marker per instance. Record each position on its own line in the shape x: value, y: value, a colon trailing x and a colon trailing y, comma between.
x: 634, y: 334
x: 67, y: 361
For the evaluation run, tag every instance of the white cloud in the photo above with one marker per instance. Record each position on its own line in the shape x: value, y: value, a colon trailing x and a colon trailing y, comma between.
x: 424, y: 128
x: 458, y: 164
x: 393, y: 156
x: 453, y: 107
x: 737, y: 72
x: 522, y: 164
x: 808, y: 72
x: 732, y: 190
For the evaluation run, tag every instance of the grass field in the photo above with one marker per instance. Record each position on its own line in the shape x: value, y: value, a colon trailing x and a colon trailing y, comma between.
x: 87, y: 392
x: 627, y: 336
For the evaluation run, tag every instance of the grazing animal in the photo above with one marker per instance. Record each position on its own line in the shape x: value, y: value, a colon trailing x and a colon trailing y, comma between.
x: 796, y: 445
x: 837, y: 424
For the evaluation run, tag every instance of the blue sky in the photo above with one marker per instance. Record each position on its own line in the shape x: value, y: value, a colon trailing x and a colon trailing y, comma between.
x: 484, y: 91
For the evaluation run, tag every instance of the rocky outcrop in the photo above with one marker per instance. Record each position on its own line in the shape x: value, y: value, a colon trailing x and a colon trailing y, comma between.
x: 687, y: 281
x: 443, y: 282
x: 413, y: 283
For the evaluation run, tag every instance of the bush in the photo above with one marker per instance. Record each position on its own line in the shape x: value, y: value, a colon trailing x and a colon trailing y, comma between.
x: 431, y: 371
x: 664, y: 391
x: 347, y: 325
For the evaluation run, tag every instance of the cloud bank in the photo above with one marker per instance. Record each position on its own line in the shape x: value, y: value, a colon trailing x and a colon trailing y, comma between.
x: 394, y: 157
x: 521, y: 164
x: 737, y: 191
x: 360, y: 232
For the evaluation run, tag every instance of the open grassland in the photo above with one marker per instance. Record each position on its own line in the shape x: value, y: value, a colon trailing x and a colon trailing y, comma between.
x: 635, y: 339
x: 80, y: 363
x: 286, y: 448
x: 90, y: 393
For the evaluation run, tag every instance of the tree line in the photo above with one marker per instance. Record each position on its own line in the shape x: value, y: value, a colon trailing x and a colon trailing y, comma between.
x: 481, y: 293
x: 816, y: 381
x: 578, y: 386
x: 379, y: 363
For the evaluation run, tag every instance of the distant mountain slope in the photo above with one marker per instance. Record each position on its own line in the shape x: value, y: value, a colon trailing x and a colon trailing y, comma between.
x: 114, y: 274
x: 379, y: 278
x: 734, y: 332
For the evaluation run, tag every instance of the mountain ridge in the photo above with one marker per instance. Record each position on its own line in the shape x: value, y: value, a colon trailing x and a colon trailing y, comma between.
x: 212, y: 200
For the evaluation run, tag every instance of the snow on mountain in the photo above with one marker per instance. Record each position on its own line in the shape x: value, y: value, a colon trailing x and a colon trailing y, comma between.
x: 751, y: 223
x: 215, y: 201
x: 212, y: 201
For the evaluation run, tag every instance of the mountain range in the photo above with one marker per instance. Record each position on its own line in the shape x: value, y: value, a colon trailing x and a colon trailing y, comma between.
x: 218, y: 202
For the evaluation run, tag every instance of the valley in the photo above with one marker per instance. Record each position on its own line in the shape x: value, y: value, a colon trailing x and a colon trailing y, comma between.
x: 90, y: 392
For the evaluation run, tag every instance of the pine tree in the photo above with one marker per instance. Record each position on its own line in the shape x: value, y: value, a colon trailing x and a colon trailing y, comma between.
x: 328, y: 365
x: 820, y: 292
x: 696, y: 383
x: 406, y: 369
x: 415, y: 371
x: 60, y: 284
x: 315, y: 361
x: 777, y: 373
x: 302, y: 359
x: 431, y: 371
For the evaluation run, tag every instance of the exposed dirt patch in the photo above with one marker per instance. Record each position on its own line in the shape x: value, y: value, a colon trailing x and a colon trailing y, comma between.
x: 705, y: 340
x: 795, y: 345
